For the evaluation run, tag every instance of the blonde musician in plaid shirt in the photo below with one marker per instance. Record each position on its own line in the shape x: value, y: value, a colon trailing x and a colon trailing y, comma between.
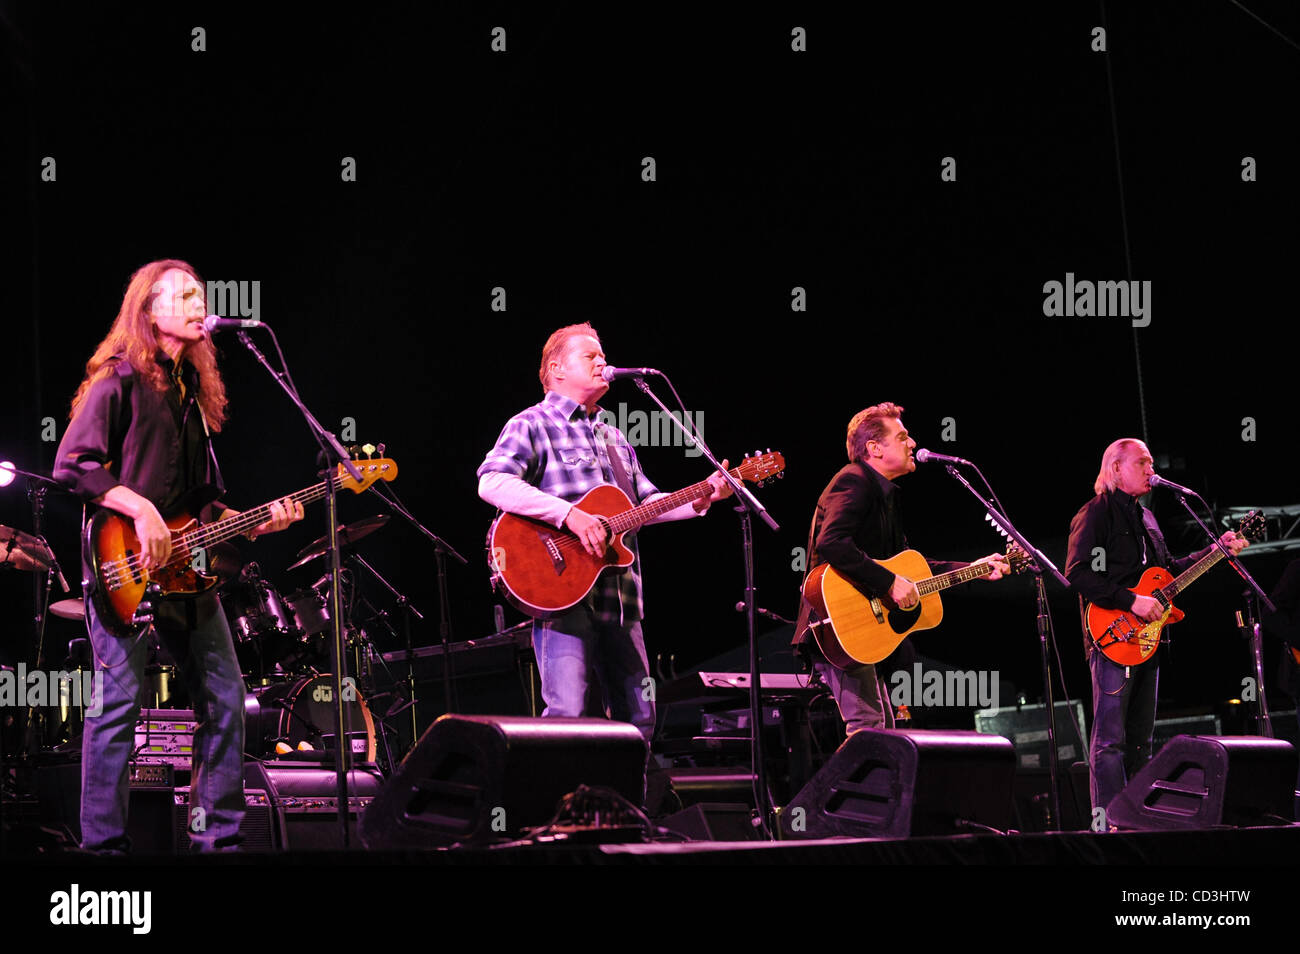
x: 545, y: 460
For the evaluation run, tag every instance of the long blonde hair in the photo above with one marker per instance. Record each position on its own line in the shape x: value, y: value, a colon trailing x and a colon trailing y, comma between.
x: 133, y: 335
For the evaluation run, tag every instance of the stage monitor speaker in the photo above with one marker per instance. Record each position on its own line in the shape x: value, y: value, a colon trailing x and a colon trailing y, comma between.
x: 1200, y: 781
x: 892, y: 783
x: 479, y: 778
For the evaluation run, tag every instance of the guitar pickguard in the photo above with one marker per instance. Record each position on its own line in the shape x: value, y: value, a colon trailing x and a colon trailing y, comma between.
x: 900, y: 621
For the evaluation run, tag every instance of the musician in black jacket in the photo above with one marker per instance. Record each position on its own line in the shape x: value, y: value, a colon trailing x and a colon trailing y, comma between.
x: 137, y: 443
x: 857, y: 522
x: 1113, y: 540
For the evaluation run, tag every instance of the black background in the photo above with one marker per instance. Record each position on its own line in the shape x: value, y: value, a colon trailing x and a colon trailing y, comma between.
x: 775, y: 169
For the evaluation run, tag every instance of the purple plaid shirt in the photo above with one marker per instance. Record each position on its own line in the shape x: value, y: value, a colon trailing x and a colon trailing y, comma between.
x: 562, y: 451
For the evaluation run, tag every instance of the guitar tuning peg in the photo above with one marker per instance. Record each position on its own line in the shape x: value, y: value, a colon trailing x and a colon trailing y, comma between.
x: 380, y: 448
x: 746, y: 455
x: 768, y: 451
x: 369, y: 449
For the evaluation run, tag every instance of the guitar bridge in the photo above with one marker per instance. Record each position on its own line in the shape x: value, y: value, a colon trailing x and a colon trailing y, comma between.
x: 877, y: 610
x: 553, y: 550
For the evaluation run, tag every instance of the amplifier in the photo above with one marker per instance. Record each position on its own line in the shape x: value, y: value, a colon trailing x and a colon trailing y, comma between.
x: 1166, y: 729
x: 304, y: 796
x: 1026, y: 727
x: 260, y: 828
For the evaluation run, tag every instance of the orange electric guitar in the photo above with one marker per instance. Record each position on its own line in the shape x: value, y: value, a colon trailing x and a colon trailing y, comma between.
x: 1129, y: 641
x: 543, y: 570
x: 114, y: 554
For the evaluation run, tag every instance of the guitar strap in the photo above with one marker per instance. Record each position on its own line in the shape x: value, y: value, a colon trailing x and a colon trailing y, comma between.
x: 615, y: 463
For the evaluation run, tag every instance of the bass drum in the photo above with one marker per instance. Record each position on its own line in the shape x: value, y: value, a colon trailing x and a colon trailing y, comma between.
x: 303, y: 711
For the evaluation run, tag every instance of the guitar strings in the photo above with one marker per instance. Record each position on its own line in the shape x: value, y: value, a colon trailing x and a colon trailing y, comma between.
x: 217, y: 532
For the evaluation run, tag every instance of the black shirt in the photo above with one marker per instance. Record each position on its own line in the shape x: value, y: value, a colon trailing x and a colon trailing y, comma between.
x: 1131, y: 542
x: 151, y: 442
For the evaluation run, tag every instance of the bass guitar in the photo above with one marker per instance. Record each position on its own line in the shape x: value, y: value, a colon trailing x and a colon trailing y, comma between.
x: 114, y: 553
x: 543, y: 570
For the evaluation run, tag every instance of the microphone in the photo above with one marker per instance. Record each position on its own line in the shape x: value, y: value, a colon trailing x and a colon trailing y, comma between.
x: 740, y: 608
x: 217, y: 323
x: 1158, y: 481
x: 611, y: 374
x: 924, y: 456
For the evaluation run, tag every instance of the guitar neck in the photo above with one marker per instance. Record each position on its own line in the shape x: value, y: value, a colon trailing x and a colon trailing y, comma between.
x: 1192, y: 573
x: 638, y: 516
x: 214, y: 533
x: 944, y: 580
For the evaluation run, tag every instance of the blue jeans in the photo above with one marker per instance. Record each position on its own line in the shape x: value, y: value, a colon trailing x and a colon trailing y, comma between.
x: 198, y: 637
x: 573, y: 648
x: 1123, y: 722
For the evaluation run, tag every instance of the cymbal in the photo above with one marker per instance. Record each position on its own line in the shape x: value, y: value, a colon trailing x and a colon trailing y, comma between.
x: 348, y: 535
x: 23, y: 551
x: 69, y: 609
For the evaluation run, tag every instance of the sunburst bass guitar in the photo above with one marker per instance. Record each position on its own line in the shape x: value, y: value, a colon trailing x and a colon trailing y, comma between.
x: 114, y: 553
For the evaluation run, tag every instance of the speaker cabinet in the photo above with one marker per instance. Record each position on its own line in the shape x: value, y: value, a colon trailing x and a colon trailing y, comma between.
x: 892, y: 783
x: 1200, y: 781
x: 479, y: 778
x: 304, y: 796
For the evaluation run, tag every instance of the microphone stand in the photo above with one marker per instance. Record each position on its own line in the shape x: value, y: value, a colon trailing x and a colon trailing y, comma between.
x: 332, y: 453
x: 1181, y: 494
x: 748, y: 505
x: 1250, y: 626
x: 441, y: 550
x: 1046, y: 638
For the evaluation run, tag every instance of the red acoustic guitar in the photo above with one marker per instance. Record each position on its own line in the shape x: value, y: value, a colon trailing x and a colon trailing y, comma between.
x: 542, y: 570
x: 114, y: 553
x: 1129, y: 641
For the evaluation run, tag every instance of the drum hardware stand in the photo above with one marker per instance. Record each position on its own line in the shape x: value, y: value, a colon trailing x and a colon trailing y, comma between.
x: 408, y: 610
x: 333, y: 454
x: 42, y: 585
x: 747, y: 505
x: 442, y: 550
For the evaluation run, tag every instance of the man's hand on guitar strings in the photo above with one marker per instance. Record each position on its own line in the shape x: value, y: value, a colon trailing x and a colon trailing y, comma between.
x: 590, y: 531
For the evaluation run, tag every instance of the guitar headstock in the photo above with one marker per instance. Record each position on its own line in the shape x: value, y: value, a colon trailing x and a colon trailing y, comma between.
x: 372, y: 468
x: 1252, y: 525
x: 761, y: 467
x: 1020, y: 560
x: 1016, y: 556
